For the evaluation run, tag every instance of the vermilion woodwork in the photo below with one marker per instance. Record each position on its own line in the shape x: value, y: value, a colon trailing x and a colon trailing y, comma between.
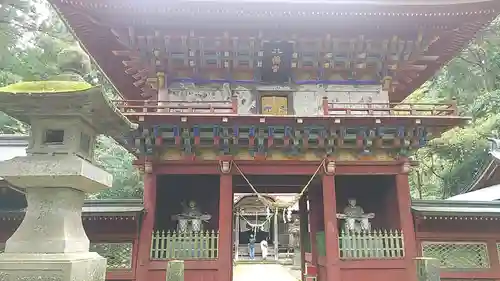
x: 289, y: 167
x: 147, y: 227
x: 134, y: 45
x: 493, y: 256
x: 216, y: 117
x: 406, y: 221
x: 331, y: 228
x: 135, y: 108
x: 225, y: 271
x: 436, y: 32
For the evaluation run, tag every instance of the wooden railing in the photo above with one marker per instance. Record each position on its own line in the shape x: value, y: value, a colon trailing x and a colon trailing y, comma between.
x: 329, y: 108
x: 375, y: 244
x: 184, y: 107
x: 389, y: 109
x: 184, y: 245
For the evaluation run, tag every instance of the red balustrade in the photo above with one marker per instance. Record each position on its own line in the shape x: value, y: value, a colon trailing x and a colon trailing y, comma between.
x: 329, y: 108
x: 389, y: 109
x: 171, y: 106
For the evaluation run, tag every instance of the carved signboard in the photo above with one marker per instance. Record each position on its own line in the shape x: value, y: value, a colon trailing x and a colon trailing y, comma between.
x: 277, y: 62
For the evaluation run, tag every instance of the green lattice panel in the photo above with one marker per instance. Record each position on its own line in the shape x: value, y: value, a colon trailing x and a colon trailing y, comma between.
x: 118, y: 255
x: 458, y: 255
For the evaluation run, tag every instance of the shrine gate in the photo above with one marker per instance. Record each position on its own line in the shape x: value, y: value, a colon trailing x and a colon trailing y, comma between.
x: 302, y: 98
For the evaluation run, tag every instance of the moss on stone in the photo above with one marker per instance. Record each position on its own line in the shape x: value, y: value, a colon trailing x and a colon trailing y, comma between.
x: 73, y: 62
x: 46, y: 87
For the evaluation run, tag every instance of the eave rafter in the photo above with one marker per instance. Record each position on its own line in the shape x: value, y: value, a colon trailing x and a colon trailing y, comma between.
x: 396, y: 54
x: 141, y: 72
x: 443, y: 50
x: 101, y: 26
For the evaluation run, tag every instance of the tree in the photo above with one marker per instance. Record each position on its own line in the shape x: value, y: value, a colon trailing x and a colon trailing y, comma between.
x: 450, y: 163
x: 30, y: 47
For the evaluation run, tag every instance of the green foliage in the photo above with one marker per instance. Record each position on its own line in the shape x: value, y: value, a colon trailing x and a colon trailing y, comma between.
x: 34, y: 48
x: 127, y: 182
x: 451, y: 163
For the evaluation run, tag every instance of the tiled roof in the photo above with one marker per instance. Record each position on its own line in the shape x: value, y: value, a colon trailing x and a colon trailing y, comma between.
x: 456, y: 208
x: 112, y: 207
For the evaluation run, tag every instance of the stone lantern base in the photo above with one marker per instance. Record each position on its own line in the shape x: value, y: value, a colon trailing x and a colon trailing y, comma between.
x: 51, y: 244
x: 52, y: 267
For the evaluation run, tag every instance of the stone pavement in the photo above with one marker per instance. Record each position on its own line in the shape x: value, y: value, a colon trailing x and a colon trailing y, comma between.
x: 262, y: 272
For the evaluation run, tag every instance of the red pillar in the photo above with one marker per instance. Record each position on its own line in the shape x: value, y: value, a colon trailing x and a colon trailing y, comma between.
x: 406, y: 221
x: 331, y: 229
x: 314, y: 216
x: 147, y: 227
x: 225, y: 258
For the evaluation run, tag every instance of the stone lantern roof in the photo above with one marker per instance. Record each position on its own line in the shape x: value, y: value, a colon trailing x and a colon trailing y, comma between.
x: 27, y: 100
x: 63, y: 97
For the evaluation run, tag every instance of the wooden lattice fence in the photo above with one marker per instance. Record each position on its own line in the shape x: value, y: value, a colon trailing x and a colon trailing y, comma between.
x: 184, y: 245
x: 372, y: 244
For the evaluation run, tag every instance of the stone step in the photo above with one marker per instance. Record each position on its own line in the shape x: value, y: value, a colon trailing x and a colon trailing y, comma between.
x: 256, y: 261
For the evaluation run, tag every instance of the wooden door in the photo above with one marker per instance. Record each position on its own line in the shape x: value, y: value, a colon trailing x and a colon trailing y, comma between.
x: 274, y: 105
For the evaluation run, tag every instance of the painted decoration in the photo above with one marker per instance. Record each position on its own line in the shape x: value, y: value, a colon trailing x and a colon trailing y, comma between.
x: 274, y: 105
x: 306, y: 101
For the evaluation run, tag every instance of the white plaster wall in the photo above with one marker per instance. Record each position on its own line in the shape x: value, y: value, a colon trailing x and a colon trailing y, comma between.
x: 357, y: 97
x: 247, y: 103
x: 307, y: 101
x: 192, y: 93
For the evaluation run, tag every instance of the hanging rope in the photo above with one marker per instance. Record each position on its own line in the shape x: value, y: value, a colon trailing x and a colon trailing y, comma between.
x: 256, y: 225
x: 281, y: 205
x: 263, y: 199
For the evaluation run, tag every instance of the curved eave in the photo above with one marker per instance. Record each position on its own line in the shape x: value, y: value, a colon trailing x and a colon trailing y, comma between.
x: 274, y: 8
x: 295, y: 14
x: 446, y: 48
x: 92, y: 22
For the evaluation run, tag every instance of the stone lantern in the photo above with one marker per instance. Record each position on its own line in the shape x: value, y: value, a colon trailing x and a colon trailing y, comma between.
x: 65, y: 118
